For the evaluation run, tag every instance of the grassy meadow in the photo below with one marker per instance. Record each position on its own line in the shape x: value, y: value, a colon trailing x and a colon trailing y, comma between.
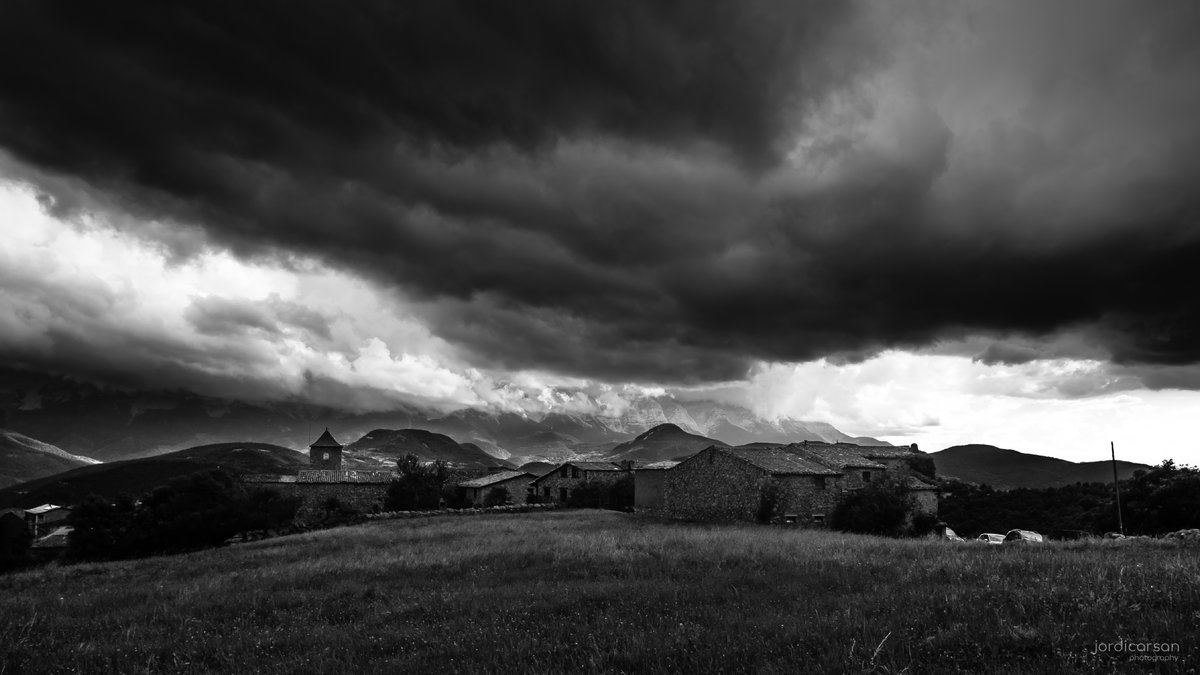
x: 589, y: 591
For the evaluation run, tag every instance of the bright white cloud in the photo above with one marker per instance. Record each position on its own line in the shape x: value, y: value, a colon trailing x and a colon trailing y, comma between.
x: 297, y: 329
x: 940, y: 401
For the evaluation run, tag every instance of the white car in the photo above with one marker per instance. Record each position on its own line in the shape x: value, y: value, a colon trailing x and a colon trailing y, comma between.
x: 991, y: 538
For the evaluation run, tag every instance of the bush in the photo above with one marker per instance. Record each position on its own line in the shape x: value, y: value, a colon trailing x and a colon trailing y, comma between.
x: 588, y: 495
x: 878, y: 508
x: 333, y: 512
x: 617, y: 495
x: 419, y: 487
x: 188, y: 513
x: 620, y: 494
x: 769, y: 496
x: 496, y: 497
x: 922, y: 465
x: 14, y: 544
x: 922, y: 524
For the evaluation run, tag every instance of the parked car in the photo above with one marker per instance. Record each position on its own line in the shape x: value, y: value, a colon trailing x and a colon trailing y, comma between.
x: 943, y: 532
x: 1023, y: 537
x: 991, y: 538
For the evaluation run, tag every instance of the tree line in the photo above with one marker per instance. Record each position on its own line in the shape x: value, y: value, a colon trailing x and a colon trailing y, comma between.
x: 1163, y: 499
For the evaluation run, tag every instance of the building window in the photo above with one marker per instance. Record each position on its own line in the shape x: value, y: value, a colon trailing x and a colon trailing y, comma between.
x: 819, y: 518
x: 562, y: 494
x: 545, y: 492
x: 710, y: 457
x: 866, y: 476
x: 819, y: 482
x: 574, y: 472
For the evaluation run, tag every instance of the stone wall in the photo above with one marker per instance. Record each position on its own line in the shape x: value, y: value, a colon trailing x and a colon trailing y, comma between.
x: 362, y: 497
x: 549, y: 487
x: 925, y: 501
x: 713, y: 486
x: 803, y: 497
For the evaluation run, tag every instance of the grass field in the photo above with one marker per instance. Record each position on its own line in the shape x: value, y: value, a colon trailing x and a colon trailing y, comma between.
x: 596, y: 591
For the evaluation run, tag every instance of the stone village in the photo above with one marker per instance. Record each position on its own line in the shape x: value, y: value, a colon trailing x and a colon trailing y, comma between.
x: 717, y: 484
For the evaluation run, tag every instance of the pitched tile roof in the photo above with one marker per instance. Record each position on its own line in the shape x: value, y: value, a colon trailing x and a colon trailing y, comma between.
x: 779, y: 460
x: 493, y: 478
x: 326, y: 441
x: 885, y: 451
x: 595, y: 466
x: 836, y: 456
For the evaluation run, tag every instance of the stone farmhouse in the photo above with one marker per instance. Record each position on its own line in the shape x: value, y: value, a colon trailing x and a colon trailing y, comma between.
x: 805, y: 481
x: 555, y: 487
x: 45, y: 518
x: 362, y: 490
x: 516, y: 483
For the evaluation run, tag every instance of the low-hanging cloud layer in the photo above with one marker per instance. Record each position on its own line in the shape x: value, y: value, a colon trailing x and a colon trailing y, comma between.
x: 674, y: 194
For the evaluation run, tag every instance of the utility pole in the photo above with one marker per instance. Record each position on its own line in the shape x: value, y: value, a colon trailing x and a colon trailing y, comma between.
x: 1117, y: 488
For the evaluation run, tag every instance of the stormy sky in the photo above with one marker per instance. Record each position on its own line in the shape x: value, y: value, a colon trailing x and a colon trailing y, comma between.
x: 933, y: 222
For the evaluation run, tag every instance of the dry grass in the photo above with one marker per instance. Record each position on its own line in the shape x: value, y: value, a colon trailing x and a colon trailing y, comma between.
x: 590, y: 591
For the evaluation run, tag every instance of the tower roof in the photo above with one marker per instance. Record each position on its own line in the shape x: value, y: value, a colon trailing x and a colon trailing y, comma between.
x: 326, y: 441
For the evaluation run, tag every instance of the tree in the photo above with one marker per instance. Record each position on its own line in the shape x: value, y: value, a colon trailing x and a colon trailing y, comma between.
x: 769, y: 496
x: 419, y: 487
x: 496, y: 497
x: 188, y: 513
x: 879, y: 507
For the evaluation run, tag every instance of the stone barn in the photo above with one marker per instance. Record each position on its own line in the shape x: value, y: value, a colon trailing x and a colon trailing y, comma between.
x: 556, y: 486
x: 723, y: 484
x: 516, y: 483
x: 799, y: 483
x: 648, y: 485
x: 856, y: 470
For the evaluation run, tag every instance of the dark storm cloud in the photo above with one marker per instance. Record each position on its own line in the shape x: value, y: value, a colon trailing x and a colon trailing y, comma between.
x: 219, y: 316
x: 656, y: 191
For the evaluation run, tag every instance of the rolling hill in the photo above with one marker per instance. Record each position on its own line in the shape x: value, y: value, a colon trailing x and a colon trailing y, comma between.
x: 1007, y: 469
x: 665, y: 441
x: 24, y: 459
x: 138, y: 476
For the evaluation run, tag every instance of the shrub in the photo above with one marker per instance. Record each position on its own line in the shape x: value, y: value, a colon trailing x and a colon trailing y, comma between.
x: 878, y: 508
x: 496, y: 497
x: 922, y: 465
x: 419, y: 487
x: 188, y: 513
x: 14, y: 544
x: 588, y: 494
x: 769, y: 496
x: 922, y: 524
x: 620, y: 494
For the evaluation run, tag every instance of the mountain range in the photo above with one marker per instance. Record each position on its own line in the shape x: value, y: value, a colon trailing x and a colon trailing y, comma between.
x: 111, y: 425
